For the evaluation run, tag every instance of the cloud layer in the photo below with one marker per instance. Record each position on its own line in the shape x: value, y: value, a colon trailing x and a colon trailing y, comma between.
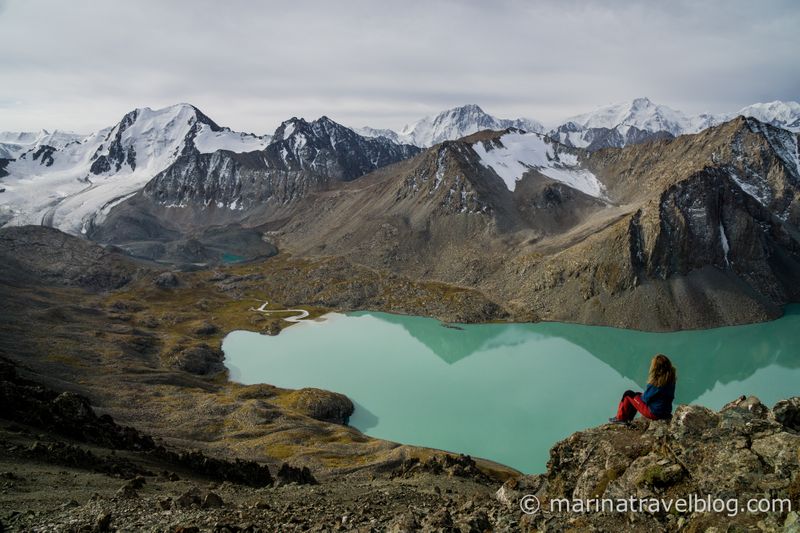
x: 81, y: 65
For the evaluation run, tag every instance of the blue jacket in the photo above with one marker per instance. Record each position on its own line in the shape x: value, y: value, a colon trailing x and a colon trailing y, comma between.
x: 659, y: 399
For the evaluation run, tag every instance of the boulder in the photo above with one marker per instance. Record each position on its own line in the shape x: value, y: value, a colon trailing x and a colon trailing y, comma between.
x: 781, y: 451
x: 322, y: 405
x: 188, y: 499
x: 166, y: 280
x: 73, y: 407
x: 103, y: 522
x: 206, y: 328
x: 212, y: 500
x: 693, y: 420
x: 787, y: 413
x: 747, y: 404
x: 515, y: 488
x: 200, y: 359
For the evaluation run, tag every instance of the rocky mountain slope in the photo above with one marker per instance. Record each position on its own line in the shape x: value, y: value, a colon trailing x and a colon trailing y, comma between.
x: 208, y: 196
x: 694, y: 231
x: 698, y: 230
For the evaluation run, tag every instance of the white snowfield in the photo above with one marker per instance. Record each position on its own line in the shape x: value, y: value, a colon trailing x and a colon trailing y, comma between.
x: 15, y: 143
x: 66, y: 195
x: 518, y: 153
x: 208, y: 141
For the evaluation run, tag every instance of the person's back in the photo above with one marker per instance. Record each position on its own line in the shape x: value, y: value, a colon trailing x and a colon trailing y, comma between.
x: 656, y: 402
x: 659, y: 399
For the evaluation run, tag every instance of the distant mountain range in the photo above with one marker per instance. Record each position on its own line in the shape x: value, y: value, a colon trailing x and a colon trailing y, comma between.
x: 70, y: 180
x: 689, y: 221
x: 451, y: 124
x: 614, y: 125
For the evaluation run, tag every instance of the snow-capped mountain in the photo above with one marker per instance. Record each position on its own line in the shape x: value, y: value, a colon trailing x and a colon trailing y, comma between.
x: 640, y: 113
x: 642, y: 120
x: 392, y: 135
x: 66, y: 180
x: 784, y: 115
x: 303, y: 155
x: 450, y: 125
x: 620, y: 124
x: 326, y: 147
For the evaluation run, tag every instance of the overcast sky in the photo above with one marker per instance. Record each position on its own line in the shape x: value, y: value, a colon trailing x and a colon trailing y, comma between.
x: 80, y: 65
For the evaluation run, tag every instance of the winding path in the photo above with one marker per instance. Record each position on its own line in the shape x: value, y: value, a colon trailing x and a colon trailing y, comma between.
x: 297, y: 318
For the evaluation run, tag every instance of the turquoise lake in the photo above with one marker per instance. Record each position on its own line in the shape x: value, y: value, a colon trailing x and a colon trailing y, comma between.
x: 508, y: 392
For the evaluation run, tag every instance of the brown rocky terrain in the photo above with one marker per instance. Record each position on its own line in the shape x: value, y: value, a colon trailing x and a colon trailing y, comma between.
x: 118, y: 415
x: 697, y: 231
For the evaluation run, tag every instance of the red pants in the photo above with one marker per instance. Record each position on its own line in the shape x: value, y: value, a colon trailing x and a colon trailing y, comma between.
x: 631, y: 403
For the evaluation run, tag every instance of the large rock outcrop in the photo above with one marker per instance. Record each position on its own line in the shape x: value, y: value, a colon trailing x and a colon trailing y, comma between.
x: 745, y: 451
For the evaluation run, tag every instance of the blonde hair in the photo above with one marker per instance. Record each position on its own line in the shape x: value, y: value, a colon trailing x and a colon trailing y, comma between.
x: 661, y: 371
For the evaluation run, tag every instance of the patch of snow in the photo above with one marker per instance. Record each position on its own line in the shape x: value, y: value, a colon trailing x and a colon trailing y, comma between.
x: 207, y: 141
x: 750, y: 189
x: 518, y: 153
x: 723, y: 239
x: 440, y: 169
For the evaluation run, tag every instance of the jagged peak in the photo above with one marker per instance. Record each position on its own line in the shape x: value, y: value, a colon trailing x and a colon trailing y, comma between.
x: 641, y: 101
x: 466, y: 108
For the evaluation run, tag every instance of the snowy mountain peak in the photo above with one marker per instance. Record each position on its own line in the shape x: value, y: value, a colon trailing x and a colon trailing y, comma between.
x: 451, y: 124
x: 288, y: 128
x: 641, y: 113
x: 784, y: 115
x: 67, y: 180
x: 642, y: 102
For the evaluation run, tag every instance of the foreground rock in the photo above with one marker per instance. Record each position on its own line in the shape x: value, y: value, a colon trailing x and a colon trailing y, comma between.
x: 745, y: 451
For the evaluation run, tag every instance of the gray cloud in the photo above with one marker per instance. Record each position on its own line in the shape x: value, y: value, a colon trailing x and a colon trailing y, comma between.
x: 81, y: 65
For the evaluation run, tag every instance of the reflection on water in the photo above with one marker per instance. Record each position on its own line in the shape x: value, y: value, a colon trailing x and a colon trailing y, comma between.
x: 508, y: 391
x: 707, y: 359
